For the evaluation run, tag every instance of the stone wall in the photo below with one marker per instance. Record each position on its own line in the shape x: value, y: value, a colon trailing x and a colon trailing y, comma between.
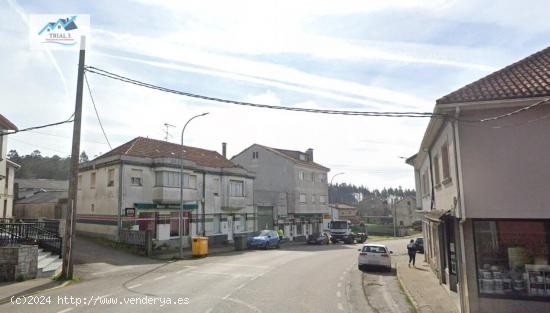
x: 18, y: 262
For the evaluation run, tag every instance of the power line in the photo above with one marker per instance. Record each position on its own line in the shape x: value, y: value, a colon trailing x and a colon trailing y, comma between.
x: 96, y: 113
x: 520, y: 110
x: 112, y: 75
x: 38, y: 127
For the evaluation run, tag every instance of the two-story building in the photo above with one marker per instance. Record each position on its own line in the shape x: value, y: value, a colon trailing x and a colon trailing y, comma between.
x: 7, y: 170
x: 290, y: 189
x: 342, y: 211
x: 137, y: 186
x: 482, y: 181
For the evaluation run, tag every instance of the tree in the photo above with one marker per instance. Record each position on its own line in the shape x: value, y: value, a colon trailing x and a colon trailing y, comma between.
x: 83, y: 157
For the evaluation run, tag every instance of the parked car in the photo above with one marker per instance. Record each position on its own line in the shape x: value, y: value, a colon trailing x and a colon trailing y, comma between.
x: 319, y: 238
x: 375, y: 255
x: 419, y: 242
x: 264, y: 240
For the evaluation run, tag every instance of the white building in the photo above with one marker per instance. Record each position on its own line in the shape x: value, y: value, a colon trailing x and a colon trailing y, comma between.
x: 137, y: 186
x: 7, y: 170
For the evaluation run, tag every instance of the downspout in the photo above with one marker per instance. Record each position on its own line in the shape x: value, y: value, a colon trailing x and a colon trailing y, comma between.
x: 203, y: 202
x: 120, y: 191
x: 464, y: 307
x: 432, y: 202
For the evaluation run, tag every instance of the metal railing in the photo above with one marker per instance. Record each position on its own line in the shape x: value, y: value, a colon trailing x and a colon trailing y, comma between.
x: 29, y: 233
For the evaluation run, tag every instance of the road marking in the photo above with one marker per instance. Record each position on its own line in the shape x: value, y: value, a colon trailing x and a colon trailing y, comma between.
x: 241, y: 286
x: 159, y: 278
x: 340, y: 307
x: 66, y: 310
x: 241, y: 265
x: 338, y: 294
x: 208, y: 311
x: 135, y: 286
x: 226, y: 296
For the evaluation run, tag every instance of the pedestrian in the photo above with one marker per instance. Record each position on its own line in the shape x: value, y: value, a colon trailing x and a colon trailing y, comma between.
x: 411, y: 249
x: 280, y: 232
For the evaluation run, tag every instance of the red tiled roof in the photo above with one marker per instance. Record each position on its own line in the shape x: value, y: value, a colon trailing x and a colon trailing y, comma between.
x: 526, y: 78
x: 6, y: 124
x: 152, y: 148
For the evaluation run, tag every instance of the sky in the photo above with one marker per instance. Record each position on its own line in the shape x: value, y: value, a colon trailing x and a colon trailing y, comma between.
x: 343, y: 55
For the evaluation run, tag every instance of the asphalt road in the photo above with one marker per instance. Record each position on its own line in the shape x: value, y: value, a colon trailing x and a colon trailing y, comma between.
x: 297, y: 278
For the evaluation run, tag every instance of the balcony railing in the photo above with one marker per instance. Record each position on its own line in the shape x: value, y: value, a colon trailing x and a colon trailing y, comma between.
x: 29, y: 233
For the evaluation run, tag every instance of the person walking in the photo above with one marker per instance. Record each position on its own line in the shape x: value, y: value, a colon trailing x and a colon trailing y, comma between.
x: 411, y: 249
x: 280, y: 233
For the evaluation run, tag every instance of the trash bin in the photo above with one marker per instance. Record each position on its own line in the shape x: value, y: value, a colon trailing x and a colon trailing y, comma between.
x: 240, y: 242
x: 199, y: 246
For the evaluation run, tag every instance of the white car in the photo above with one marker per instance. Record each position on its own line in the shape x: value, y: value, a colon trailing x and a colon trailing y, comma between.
x: 374, y: 255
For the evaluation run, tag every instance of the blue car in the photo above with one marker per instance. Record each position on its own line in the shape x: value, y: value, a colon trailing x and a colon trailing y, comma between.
x: 266, y: 239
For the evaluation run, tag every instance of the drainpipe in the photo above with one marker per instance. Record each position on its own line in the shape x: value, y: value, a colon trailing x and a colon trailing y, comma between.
x: 120, y: 191
x: 432, y: 205
x: 203, y: 202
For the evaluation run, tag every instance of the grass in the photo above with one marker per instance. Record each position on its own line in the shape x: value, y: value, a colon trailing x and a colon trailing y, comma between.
x: 380, y: 238
x: 113, y: 244
x: 59, y: 277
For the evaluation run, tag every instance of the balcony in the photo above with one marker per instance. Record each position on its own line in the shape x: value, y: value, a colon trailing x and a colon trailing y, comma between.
x: 172, y: 194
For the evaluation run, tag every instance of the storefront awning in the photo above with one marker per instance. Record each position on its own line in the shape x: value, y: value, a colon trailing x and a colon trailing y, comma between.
x: 160, y: 206
x: 437, y: 215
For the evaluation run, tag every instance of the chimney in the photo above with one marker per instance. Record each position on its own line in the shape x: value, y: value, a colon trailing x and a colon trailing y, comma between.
x: 224, y: 149
x: 309, y: 154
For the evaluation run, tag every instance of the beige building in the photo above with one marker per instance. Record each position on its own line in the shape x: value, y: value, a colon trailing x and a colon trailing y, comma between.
x: 137, y: 186
x: 404, y: 210
x: 482, y: 181
x: 7, y: 170
x: 343, y: 211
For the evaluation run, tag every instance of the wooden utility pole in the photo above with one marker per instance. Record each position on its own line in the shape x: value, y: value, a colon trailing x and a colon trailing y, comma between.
x: 70, y: 218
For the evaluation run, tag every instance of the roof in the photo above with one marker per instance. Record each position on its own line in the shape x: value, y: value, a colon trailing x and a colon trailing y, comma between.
x: 46, y: 184
x: 6, y: 124
x: 13, y: 164
x: 44, y: 197
x: 343, y: 206
x: 294, y: 156
x: 527, y: 78
x: 152, y: 148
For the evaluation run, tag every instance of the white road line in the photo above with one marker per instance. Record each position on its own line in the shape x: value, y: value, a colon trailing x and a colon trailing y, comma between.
x: 208, y: 311
x: 159, y: 278
x: 134, y: 286
x: 66, y: 310
x: 226, y: 296
x: 241, y: 265
x: 241, y: 286
x: 338, y: 294
x: 340, y: 307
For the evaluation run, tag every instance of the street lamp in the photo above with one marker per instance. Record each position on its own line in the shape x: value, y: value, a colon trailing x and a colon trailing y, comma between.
x: 181, y: 184
x: 331, y: 209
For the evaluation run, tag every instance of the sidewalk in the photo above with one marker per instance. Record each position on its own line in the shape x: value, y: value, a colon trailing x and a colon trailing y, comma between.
x: 28, y: 287
x: 422, y: 286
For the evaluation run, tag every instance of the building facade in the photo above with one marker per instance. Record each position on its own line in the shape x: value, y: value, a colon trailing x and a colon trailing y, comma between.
x: 482, y: 180
x: 343, y: 211
x: 290, y: 189
x: 7, y: 170
x: 137, y: 186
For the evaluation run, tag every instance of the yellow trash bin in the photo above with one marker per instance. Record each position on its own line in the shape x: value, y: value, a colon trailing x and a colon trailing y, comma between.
x: 199, y: 246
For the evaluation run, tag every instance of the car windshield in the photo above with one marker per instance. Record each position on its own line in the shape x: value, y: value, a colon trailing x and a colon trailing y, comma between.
x: 420, y: 240
x: 265, y: 233
x: 374, y: 249
x: 339, y: 225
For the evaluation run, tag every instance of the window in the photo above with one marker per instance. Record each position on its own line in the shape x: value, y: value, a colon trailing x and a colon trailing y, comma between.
x: 302, y: 157
x: 313, y: 177
x: 236, y: 188
x: 189, y: 181
x: 313, y: 199
x: 322, y: 199
x: 322, y: 178
x: 436, y: 171
x: 111, y: 177
x: 255, y: 154
x: 302, y: 198
x: 512, y: 258
x: 301, y: 175
x: 425, y: 184
x: 92, y: 180
x: 374, y: 249
x: 216, y: 187
x: 445, y: 162
x: 135, y: 178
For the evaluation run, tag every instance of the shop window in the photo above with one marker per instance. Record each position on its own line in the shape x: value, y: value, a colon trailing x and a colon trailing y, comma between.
x: 512, y: 258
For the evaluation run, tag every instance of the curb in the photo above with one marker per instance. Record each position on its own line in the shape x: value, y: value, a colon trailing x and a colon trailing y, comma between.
x: 33, y: 291
x: 407, y: 292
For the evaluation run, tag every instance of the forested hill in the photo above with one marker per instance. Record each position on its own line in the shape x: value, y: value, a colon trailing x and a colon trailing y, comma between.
x: 35, y: 165
x: 344, y: 193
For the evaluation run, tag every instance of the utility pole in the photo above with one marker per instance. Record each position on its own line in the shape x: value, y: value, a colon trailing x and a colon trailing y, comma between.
x: 70, y: 218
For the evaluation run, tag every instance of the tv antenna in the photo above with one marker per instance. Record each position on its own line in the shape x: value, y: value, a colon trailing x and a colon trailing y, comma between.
x: 167, y: 131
